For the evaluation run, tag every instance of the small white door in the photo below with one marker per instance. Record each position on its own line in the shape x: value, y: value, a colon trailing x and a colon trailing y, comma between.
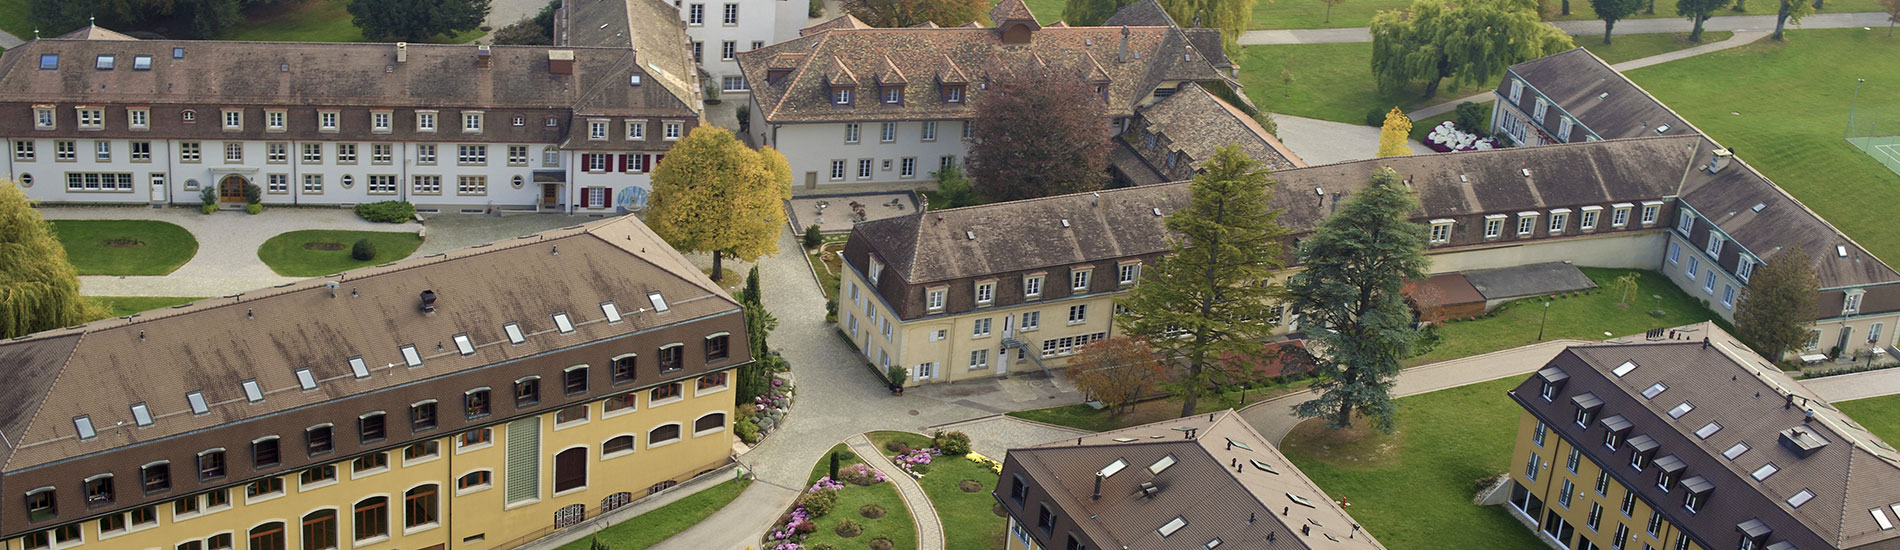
x: 158, y: 188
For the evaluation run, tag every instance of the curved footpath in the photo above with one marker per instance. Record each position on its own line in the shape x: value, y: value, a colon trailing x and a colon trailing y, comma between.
x: 922, y: 512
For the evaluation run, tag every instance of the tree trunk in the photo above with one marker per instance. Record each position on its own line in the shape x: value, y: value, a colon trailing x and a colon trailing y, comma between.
x: 1695, y: 34
x: 1193, y: 394
x: 1566, y: 8
x: 1651, y: 10
x: 1781, y: 18
x: 717, y: 257
x: 1890, y: 23
x: 1329, y: 12
x: 1607, y: 25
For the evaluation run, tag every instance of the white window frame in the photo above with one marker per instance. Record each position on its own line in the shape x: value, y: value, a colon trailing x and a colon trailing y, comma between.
x: 1526, y: 223
x: 1592, y: 215
x: 1441, y: 231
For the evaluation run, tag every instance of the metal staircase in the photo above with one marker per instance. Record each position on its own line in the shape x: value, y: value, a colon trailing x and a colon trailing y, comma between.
x: 1034, y: 357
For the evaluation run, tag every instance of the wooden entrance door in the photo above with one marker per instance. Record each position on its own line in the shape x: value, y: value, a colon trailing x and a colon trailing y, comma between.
x: 550, y: 195
x: 231, y: 188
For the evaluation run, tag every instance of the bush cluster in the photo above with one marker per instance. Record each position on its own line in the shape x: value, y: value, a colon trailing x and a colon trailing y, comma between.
x: 387, y: 211
x: 363, y: 250
x: 951, y: 443
x: 748, y: 431
x: 819, y: 502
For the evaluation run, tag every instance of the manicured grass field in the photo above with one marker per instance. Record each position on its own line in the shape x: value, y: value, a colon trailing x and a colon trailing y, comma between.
x: 1582, y: 317
x: 120, y: 306
x: 319, y: 252
x: 1580, y: 9
x: 1084, y: 417
x: 1790, y: 122
x: 125, y: 247
x: 1880, y: 415
x: 968, y: 518
x: 309, y: 21
x: 1638, y: 46
x: 657, y: 524
x: 14, y: 19
x: 1311, y: 14
x: 1413, y: 490
x: 896, y: 524
x: 1330, y: 82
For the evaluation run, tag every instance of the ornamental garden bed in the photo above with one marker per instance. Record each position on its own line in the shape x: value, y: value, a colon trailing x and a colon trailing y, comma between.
x: 861, y: 510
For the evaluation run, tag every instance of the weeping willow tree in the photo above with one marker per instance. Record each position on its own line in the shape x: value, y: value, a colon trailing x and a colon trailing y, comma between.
x: 1467, y: 41
x: 39, y: 289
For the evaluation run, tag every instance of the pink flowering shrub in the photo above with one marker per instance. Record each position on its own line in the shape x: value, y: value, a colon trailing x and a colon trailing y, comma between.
x: 916, y: 461
x: 859, y: 474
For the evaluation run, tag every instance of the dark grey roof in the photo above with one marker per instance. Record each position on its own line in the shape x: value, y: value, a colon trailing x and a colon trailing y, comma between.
x: 936, y: 245
x: 1668, y: 463
x: 1553, y: 374
x: 1616, y: 423
x: 1754, y: 402
x: 1587, y: 401
x: 1597, y: 95
x: 1729, y: 197
x: 1528, y: 280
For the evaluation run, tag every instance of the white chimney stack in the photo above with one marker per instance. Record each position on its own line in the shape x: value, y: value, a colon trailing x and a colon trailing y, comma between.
x: 402, y: 52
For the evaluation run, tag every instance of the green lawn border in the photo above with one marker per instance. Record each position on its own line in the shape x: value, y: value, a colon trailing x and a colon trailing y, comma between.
x: 168, y: 246
x: 656, y: 525
x: 285, y: 254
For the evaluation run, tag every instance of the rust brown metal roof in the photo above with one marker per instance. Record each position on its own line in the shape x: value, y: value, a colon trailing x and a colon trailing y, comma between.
x: 101, y: 369
x: 1226, y: 481
x: 1753, y: 403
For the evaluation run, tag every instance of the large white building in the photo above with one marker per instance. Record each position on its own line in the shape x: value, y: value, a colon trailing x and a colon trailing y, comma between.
x: 855, y: 107
x: 720, y: 29
x: 98, y: 117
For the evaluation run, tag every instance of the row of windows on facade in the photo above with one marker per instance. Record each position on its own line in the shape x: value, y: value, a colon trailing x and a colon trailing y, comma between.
x: 1670, y: 470
x: 696, y: 14
x: 843, y: 93
x: 1079, y: 279
x: 728, y: 50
x: 1539, y: 113
x: 278, y: 120
x: 1560, y: 529
x: 907, y: 167
x: 266, y: 452
x: 279, y: 184
x: 887, y: 132
x: 191, y: 152
x: 1559, y: 221
x: 1744, y: 265
x: 371, y: 521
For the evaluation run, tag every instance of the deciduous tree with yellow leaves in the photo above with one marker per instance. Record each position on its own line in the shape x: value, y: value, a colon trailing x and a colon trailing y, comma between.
x: 1393, y: 136
x: 714, y: 194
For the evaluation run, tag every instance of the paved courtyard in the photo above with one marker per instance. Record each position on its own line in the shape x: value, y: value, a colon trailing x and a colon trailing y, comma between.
x: 833, y: 213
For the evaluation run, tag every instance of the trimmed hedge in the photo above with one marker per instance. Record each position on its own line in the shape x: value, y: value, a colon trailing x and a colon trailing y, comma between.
x: 387, y: 211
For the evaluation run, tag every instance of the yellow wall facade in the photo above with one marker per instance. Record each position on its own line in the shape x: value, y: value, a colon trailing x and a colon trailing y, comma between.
x: 1552, y: 467
x: 475, y: 518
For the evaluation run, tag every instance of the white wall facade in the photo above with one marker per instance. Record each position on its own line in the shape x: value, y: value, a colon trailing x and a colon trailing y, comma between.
x: 756, y: 24
x: 169, y: 174
x: 814, y: 149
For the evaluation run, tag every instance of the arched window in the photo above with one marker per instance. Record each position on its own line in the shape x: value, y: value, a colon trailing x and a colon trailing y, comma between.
x: 570, y: 469
x: 319, y: 530
x: 372, y: 518
x: 663, y: 434
x: 617, y: 445
x: 190, y: 115
x: 269, y: 536
x: 709, y: 423
x: 478, y: 478
x: 419, y: 506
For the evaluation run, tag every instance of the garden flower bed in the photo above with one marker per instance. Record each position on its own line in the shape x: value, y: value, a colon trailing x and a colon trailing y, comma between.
x: 855, y: 511
x: 958, y: 486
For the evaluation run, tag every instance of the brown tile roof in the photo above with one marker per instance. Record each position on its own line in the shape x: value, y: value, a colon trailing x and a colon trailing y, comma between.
x: 1157, y: 55
x: 936, y: 245
x: 642, y: 36
x: 1195, y: 123
x: 1853, y: 473
x: 1145, y: 13
x: 100, y: 369
x: 846, y: 21
x: 1011, y: 10
x: 95, y: 32
x: 1227, y: 482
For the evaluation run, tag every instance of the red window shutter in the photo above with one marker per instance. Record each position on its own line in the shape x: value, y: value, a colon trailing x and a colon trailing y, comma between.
x: 607, y: 198
x: 622, y: 160
x: 583, y: 198
x: 646, y: 162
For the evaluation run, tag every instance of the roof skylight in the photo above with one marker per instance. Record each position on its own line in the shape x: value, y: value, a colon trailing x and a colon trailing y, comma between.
x: 306, y: 380
x: 1112, y: 468
x: 1654, y: 390
x: 1764, y: 471
x: 1800, y: 498
x: 84, y: 425
x: 1242, y: 446
x: 514, y: 333
x: 1624, y: 368
x: 463, y: 345
x: 1680, y: 410
x: 358, y: 368
x: 197, y: 400
x: 411, y: 357
x: 561, y: 323
x: 141, y: 415
x: 1300, y: 500
x: 1708, y: 430
x: 1171, y: 526
x: 1735, y: 450
x: 1264, y: 467
x: 252, y: 391
x: 612, y: 311
x: 1159, y: 465
x: 659, y: 302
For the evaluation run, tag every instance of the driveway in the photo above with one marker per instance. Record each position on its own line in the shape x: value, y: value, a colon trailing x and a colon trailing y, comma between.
x: 1326, y: 142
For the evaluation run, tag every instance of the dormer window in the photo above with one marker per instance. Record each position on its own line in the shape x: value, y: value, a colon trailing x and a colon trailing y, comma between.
x: 893, y: 95
x: 953, y: 94
x: 1851, y: 303
x: 841, y: 96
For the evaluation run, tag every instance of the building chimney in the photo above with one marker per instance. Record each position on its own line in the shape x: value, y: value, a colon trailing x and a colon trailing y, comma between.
x: 402, y: 52
x: 1720, y: 160
x: 1123, y: 56
x: 484, y: 57
x: 560, y: 61
x: 428, y: 301
x: 1098, y: 487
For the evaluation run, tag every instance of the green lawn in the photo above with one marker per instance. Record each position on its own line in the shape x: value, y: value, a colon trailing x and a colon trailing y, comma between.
x: 14, y: 19
x: 1311, y: 14
x: 309, y: 21
x: 1582, y: 317
x: 1330, y: 82
x: 1580, y: 9
x: 1638, y: 46
x: 319, y: 252
x: 1084, y: 417
x: 120, y: 306
x: 1796, y: 140
x: 896, y: 524
x: 125, y: 247
x: 1880, y: 415
x: 1413, y: 490
x: 968, y: 519
x: 657, y: 524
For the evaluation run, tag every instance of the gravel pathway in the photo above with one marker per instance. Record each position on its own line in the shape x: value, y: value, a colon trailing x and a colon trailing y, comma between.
x: 929, y: 526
